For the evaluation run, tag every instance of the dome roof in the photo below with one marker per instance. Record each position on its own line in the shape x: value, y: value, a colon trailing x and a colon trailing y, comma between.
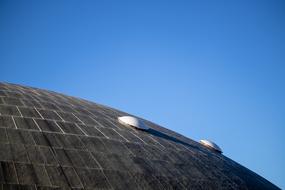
x: 54, y: 141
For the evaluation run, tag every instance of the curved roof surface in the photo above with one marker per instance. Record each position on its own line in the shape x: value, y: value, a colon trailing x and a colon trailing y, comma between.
x: 53, y: 141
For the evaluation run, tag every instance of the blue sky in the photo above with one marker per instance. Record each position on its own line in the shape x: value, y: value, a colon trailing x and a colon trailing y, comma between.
x: 206, y: 69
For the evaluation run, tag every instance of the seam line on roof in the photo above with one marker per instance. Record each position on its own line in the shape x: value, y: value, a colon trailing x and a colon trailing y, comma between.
x: 14, y: 122
x: 59, y: 127
x: 78, y: 119
x: 81, y: 129
x: 37, y: 124
x: 58, y: 115
x: 121, y: 135
x: 138, y: 137
x: 101, y: 132
x: 19, y: 111
x: 38, y: 112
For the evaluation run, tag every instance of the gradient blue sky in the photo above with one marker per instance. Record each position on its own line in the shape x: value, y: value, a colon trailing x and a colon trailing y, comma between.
x: 206, y: 69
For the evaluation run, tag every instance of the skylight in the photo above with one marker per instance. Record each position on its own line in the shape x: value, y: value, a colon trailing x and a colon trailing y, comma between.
x: 133, y: 122
x: 211, y: 145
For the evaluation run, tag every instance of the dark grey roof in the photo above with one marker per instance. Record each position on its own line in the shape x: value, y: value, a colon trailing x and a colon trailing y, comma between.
x: 53, y: 141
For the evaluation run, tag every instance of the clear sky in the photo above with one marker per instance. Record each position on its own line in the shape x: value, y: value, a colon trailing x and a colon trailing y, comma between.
x: 206, y: 69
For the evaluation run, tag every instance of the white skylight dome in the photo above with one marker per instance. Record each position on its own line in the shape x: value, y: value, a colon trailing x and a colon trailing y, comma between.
x: 211, y: 145
x: 133, y: 122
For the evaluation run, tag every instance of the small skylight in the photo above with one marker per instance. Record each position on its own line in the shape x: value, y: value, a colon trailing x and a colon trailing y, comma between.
x: 211, y: 145
x: 133, y: 122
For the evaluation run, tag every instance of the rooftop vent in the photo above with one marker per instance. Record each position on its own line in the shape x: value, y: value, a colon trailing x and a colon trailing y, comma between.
x: 211, y: 145
x: 133, y: 122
